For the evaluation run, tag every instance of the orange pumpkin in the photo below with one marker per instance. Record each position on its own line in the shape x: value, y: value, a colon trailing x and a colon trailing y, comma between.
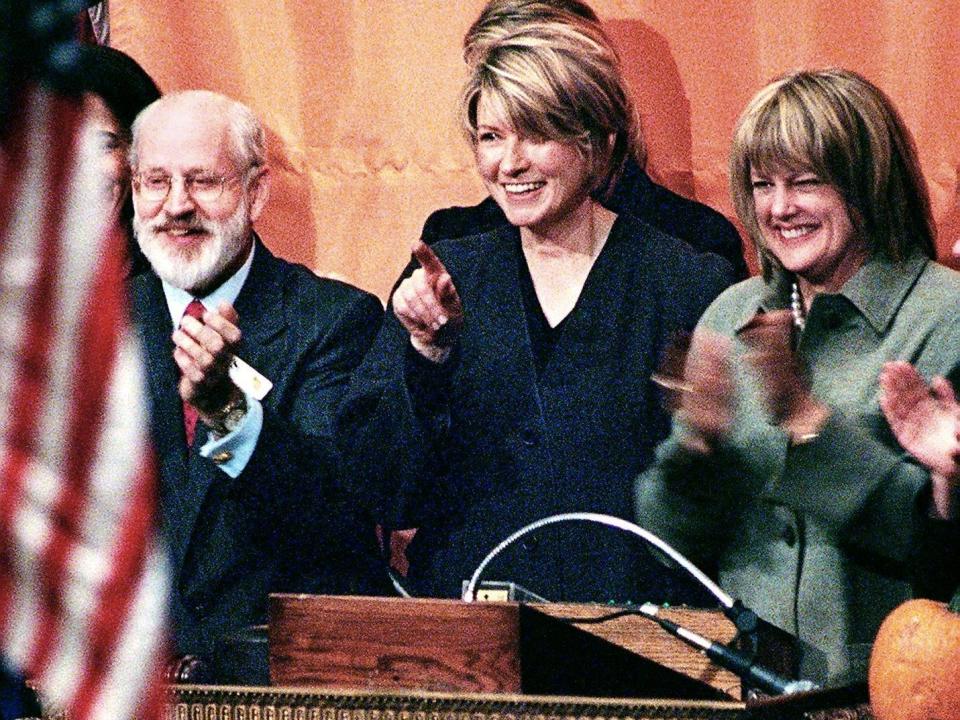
x: 915, y: 664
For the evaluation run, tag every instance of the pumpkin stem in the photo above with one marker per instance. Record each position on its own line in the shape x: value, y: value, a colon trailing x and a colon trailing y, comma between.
x: 954, y: 605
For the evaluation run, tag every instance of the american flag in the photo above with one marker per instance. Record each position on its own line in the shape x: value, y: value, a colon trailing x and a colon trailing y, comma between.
x: 82, y: 576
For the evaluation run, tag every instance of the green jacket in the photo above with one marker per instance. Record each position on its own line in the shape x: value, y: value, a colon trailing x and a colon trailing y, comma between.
x: 817, y: 538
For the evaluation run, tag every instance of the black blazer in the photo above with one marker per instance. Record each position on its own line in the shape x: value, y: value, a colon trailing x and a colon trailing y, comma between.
x: 484, y: 446
x: 281, y: 525
x: 693, y: 222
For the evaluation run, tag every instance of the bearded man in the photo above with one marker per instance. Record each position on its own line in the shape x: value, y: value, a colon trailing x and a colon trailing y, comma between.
x: 245, y: 391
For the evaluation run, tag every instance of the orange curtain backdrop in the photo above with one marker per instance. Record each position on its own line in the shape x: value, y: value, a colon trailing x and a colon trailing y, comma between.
x: 359, y: 97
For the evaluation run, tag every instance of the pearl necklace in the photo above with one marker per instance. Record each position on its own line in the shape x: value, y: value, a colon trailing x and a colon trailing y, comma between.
x: 796, y: 308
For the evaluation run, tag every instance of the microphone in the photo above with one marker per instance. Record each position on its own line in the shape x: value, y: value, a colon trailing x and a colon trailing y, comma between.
x: 744, y: 619
x: 735, y: 661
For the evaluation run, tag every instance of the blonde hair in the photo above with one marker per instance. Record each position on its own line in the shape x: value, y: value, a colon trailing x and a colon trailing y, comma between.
x: 552, y: 73
x: 841, y: 127
x: 500, y: 17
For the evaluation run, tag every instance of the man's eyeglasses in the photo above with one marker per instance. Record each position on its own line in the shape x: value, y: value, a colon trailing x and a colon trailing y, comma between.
x: 203, y: 188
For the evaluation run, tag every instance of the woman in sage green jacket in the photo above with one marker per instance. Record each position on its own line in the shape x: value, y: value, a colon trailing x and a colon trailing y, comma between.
x: 780, y: 471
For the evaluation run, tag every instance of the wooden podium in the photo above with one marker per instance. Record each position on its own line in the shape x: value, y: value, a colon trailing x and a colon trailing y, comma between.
x: 499, y: 647
x: 353, y: 658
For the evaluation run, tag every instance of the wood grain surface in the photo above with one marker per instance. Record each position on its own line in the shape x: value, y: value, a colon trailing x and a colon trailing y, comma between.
x: 392, y: 643
x: 450, y: 645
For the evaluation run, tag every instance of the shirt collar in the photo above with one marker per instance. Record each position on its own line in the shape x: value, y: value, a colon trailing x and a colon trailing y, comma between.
x: 876, y: 290
x: 177, y: 299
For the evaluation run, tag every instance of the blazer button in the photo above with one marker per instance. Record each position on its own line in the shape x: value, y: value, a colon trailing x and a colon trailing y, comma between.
x: 789, y: 536
x: 833, y: 320
x: 528, y: 437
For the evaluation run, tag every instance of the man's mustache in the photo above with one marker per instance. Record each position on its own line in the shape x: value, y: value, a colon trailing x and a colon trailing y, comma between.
x: 190, y: 224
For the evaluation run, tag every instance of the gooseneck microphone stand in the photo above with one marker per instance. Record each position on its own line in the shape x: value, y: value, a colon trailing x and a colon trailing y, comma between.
x: 745, y: 620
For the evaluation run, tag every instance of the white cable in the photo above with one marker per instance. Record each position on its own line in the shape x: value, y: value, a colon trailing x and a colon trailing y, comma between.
x: 470, y: 593
x: 401, y: 590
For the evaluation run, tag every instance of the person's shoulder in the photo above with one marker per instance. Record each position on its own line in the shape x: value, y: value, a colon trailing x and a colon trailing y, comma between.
x: 459, y: 221
x: 306, y: 290
x: 142, y: 281
x: 688, y: 218
x: 703, y: 227
x: 745, y: 292
x: 936, y: 294
x: 145, y: 293
x: 735, y: 305
x: 664, y: 253
x: 706, y: 229
x: 941, y: 276
x: 468, y: 249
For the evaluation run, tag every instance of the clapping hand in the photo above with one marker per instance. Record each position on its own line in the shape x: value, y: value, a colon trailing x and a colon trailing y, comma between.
x: 925, y: 420
x: 203, y: 351
x: 783, y: 382
x: 699, y: 383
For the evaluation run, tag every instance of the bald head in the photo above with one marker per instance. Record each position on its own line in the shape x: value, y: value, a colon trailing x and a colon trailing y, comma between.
x: 244, y: 137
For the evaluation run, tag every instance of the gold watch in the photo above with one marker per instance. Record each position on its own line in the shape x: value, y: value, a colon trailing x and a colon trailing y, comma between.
x: 228, y: 418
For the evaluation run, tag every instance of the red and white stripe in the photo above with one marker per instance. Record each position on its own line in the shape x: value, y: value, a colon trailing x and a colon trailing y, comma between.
x: 99, y: 15
x: 82, y: 579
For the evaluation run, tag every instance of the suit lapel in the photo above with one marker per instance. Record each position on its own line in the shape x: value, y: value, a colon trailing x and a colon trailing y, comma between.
x: 153, y: 321
x: 500, y: 315
x: 185, y: 481
x: 260, y: 306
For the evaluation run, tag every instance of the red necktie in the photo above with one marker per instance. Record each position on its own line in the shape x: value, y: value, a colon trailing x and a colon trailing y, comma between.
x: 195, y: 310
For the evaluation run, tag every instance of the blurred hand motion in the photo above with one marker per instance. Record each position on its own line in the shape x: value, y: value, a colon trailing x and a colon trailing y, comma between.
x: 924, y: 419
x: 769, y: 339
x: 698, y: 385
x: 783, y: 380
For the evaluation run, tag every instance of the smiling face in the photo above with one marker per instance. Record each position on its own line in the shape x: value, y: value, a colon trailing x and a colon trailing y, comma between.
x: 541, y: 185
x: 194, y: 245
x: 806, y: 225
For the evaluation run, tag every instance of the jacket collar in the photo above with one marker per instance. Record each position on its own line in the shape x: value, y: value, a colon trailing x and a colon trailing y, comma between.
x: 876, y: 290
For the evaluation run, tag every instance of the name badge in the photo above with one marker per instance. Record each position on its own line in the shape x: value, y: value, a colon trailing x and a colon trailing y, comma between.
x: 248, y: 379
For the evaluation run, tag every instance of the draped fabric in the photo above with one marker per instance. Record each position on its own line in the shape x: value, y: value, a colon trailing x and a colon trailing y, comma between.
x: 359, y: 98
x: 82, y: 577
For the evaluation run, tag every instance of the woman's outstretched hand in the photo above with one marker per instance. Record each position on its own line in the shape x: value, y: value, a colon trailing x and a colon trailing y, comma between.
x: 428, y: 306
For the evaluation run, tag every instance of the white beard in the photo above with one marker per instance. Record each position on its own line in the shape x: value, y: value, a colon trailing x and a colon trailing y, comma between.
x: 193, y: 267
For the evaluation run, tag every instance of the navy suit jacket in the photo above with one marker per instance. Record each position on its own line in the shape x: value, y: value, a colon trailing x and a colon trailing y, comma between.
x: 281, y: 525
x: 485, y: 446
